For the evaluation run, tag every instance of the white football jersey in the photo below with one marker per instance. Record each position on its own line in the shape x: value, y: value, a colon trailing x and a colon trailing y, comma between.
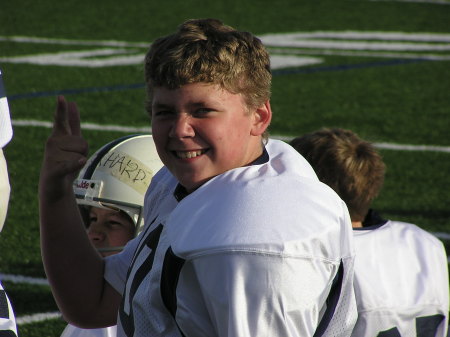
x: 401, y: 282
x: 73, y: 331
x: 262, y: 250
x: 6, y: 130
x: 7, y: 320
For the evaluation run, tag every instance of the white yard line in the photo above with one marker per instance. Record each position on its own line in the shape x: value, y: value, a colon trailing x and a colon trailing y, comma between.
x: 442, y: 236
x: 390, y: 55
x: 403, y: 45
x: 23, y: 279
x: 406, y: 147
x: 47, y: 40
x: 35, y: 318
x: 434, y: 2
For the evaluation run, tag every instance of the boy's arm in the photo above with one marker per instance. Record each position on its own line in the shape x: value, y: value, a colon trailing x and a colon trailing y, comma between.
x: 72, y: 265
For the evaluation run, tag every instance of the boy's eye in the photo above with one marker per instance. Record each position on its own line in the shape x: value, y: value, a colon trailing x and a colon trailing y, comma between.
x: 115, y: 224
x: 202, y: 111
x: 162, y: 113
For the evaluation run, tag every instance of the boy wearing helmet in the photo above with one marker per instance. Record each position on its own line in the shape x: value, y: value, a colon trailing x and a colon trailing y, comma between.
x: 240, y: 237
x: 111, y: 203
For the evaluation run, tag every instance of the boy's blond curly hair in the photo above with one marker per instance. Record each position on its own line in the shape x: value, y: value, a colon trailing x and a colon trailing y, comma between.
x: 207, y: 51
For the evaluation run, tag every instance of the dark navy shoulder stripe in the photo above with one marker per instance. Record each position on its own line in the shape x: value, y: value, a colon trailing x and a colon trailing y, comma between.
x: 2, y: 87
x: 169, y: 281
x: 332, y: 302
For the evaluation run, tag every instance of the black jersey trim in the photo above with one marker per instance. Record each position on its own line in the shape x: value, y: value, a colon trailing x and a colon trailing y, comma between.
x: 169, y: 280
x: 262, y: 159
x: 4, y: 309
x: 372, y: 221
x: 2, y: 87
x: 332, y: 301
x: 180, y: 192
x: 151, y: 241
x: 428, y: 325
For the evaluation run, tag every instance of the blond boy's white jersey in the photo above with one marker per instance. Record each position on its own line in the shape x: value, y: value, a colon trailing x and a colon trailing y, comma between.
x: 263, y: 250
x: 401, y: 282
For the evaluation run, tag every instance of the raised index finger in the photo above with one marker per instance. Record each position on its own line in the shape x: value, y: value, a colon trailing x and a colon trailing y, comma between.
x: 74, y: 119
x: 67, y: 118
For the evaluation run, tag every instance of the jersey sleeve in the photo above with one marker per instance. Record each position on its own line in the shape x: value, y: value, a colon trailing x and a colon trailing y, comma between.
x: 252, y: 294
x: 116, y: 266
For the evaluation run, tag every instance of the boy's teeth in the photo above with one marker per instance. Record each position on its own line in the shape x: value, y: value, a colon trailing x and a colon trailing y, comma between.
x: 188, y: 154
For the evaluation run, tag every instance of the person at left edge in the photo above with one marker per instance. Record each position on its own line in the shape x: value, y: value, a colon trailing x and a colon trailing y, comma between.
x: 7, y: 320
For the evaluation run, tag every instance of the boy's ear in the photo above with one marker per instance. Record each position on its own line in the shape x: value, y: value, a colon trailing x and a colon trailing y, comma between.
x: 262, y: 118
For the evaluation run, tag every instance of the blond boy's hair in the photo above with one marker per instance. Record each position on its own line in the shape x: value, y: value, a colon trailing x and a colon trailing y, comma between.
x: 207, y: 51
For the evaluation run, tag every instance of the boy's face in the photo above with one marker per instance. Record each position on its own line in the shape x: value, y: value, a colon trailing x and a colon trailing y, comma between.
x: 109, y: 228
x: 201, y: 130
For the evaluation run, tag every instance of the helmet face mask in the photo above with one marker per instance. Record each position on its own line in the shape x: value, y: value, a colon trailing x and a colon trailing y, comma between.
x: 89, y: 193
x: 118, y: 175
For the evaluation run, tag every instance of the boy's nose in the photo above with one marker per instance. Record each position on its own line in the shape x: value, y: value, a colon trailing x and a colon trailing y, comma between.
x: 96, y: 236
x: 182, y: 127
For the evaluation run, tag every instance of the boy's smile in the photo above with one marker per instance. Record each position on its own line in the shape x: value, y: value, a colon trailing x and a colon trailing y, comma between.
x: 201, y: 130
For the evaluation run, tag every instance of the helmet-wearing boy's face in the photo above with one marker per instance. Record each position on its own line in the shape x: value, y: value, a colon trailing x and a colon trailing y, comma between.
x: 201, y: 130
x: 108, y: 229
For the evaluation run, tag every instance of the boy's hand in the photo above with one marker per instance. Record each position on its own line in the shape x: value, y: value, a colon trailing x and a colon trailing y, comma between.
x: 65, y: 151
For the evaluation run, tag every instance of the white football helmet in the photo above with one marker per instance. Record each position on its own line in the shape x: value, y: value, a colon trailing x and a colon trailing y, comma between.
x: 118, y: 175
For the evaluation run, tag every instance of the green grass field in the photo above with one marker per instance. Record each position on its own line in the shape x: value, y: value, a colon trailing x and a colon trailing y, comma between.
x: 389, y: 88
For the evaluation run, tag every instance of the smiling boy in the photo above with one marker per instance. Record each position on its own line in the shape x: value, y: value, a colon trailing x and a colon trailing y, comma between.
x: 240, y: 237
x: 203, y: 130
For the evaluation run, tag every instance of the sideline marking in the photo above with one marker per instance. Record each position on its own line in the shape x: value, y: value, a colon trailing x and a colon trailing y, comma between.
x: 98, y: 127
x: 430, y: 57
x: 37, y: 317
x: 23, y: 279
x: 441, y: 235
x: 406, y: 147
x: 68, y: 42
x: 276, y: 72
x: 434, y: 2
x: 77, y: 91
x: 366, y: 43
